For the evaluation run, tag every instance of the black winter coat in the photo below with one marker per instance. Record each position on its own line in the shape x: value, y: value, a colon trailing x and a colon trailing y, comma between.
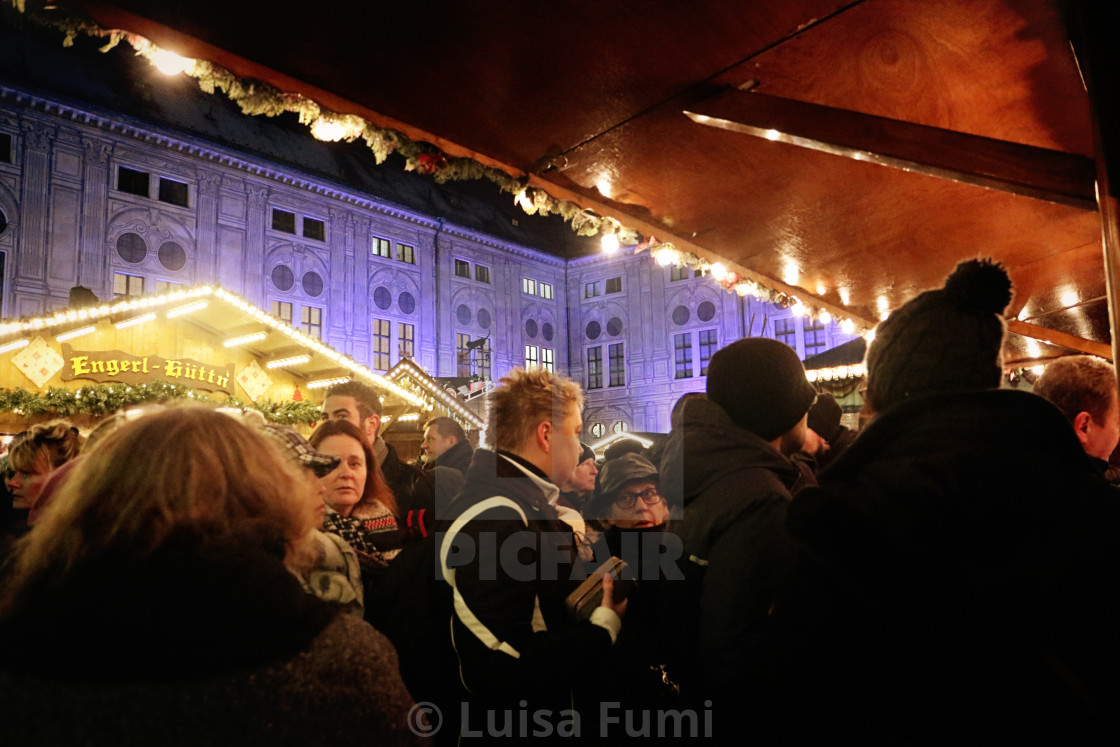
x: 960, y: 582
x: 737, y: 556
x: 457, y: 457
x: 502, y: 595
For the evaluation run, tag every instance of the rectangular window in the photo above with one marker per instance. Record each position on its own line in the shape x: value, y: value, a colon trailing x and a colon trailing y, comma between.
x: 313, y: 228
x: 595, y: 368
x: 5, y: 147
x: 406, y: 340
x: 406, y: 254
x: 678, y: 273
x: 464, y: 354
x: 380, y: 358
x: 173, y: 192
x: 784, y: 331
x: 283, y: 220
x: 482, y: 360
x: 311, y: 321
x: 166, y: 285
x: 617, y: 362
x: 463, y: 269
x: 546, y: 291
x: 548, y: 360
x: 614, y: 285
x: 482, y: 273
x: 127, y: 285
x: 591, y: 290
x: 282, y: 310
x: 380, y: 247
x: 709, y: 342
x: 815, y: 340
x: 532, y: 356
x: 132, y: 181
x: 682, y: 345
x: 529, y: 286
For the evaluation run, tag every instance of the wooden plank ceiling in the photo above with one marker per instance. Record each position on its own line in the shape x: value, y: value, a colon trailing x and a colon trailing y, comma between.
x: 589, y: 98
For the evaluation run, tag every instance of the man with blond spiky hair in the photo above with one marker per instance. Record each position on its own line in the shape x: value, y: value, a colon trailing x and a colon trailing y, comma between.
x: 508, y: 557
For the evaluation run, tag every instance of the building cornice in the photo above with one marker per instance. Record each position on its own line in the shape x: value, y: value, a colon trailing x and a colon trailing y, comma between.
x: 125, y: 126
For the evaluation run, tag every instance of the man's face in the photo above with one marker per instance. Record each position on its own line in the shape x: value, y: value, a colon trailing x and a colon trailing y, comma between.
x: 434, y: 444
x: 566, y: 446
x: 644, y: 506
x: 583, y: 478
x: 338, y: 407
x: 794, y: 439
x: 1102, y: 438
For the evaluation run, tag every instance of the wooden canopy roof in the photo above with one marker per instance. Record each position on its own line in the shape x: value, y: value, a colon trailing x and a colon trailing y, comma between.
x: 849, y: 152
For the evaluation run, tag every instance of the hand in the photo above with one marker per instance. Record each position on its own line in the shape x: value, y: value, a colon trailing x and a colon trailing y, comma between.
x: 619, y: 608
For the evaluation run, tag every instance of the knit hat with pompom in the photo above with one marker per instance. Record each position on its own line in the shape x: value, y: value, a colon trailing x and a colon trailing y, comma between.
x: 948, y: 339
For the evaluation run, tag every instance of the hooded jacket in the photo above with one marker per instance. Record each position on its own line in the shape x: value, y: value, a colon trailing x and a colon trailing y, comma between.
x: 737, y: 556
x: 960, y: 581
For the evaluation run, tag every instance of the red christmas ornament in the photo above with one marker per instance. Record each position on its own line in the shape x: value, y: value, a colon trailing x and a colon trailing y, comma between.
x: 298, y: 395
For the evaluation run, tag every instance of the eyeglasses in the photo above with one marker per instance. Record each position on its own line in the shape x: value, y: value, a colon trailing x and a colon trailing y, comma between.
x: 649, y: 496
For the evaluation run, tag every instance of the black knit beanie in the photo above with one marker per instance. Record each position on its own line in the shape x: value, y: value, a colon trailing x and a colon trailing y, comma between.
x: 761, y: 384
x: 824, y: 416
x: 944, y: 340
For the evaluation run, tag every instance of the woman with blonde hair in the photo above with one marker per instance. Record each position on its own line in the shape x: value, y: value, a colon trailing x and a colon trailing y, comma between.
x: 152, y: 605
x: 362, y: 507
x: 39, y: 450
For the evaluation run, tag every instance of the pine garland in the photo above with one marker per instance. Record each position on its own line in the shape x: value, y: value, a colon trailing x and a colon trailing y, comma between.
x: 105, y: 399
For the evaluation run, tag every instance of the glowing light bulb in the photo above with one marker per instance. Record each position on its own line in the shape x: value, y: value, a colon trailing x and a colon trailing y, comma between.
x: 327, y: 130
x: 665, y: 257
x: 610, y: 243
x: 169, y: 63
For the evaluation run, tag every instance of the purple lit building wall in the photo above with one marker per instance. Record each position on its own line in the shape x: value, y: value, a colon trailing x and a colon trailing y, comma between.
x: 100, y: 199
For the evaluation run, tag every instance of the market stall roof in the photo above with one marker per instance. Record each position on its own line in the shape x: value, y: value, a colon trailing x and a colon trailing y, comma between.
x: 223, y: 315
x: 408, y: 375
x: 847, y: 153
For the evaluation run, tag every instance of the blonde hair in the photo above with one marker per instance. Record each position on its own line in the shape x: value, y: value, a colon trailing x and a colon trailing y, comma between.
x: 186, y: 470
x: 522, y: 400
x: 45, y: 447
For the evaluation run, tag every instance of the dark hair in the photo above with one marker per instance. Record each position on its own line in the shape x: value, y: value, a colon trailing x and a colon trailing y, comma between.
x: 445, y: 427
x: 364, y: 395
x: 375, y: 488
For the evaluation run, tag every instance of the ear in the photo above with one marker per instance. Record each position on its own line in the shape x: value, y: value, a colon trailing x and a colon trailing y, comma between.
x: 544, y: 436
x: 1082, y: 422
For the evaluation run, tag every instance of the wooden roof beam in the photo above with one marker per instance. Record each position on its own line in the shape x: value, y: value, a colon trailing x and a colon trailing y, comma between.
x: 1065, y: 178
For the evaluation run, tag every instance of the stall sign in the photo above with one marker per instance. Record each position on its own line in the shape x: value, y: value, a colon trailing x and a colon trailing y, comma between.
x: 114, y: 365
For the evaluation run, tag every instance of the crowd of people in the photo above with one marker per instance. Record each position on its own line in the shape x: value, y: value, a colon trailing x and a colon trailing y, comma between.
x: 945, y: 575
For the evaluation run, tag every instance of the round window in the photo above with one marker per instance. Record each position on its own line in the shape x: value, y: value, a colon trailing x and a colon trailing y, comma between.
x: 620, y: 427
x: 680, y: 315
x: 531, y: 328
x: 283, y: 278
x: 706, y: 311
x: 594, y: 329
x: 463, y: 314
x: 598, y: 430
x: 407, y: 302
x: 547, y: 332
x: 3, y: 222
x: 484, y: 318
x: 172, y: 256
x: 312, y: 283
x: 382, y: 297
x: 614, y: 326
x: 131, y: 247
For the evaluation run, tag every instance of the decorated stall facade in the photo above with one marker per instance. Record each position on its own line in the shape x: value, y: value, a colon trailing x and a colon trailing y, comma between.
x: 199, y: 343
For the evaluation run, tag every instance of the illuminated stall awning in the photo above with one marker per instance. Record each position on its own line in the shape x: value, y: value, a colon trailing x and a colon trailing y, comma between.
x: 419, y: 383
x: 201, y: 342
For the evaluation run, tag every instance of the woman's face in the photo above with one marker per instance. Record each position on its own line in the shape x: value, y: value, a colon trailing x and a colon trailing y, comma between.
x: 25, y: 488
x: 345, y: 485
